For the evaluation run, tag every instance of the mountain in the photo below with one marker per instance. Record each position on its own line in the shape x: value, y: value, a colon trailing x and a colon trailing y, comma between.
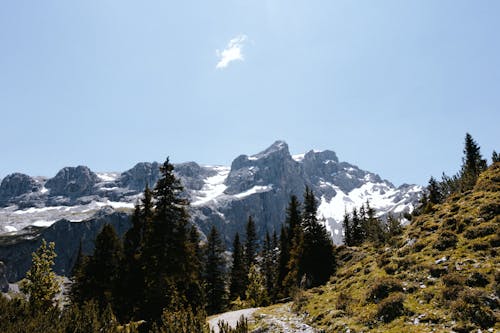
x: 441, y: 275
x: 259, y: 185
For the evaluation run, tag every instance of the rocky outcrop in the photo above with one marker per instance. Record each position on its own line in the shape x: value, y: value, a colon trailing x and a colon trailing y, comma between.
x: 141, y: 174
x: 15, y: 186
x: 15, y: 251
x: 72, y: 182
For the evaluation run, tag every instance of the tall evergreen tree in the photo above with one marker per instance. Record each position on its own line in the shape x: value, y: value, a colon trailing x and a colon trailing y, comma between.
x: 434, y: 191
x: 356, y: 228
x: 346, y: 225
x: 238, y: 272
x: 251, y: 246
x: 41, y: 283
x: 375, y: 229
x: 215, y: 280
x: 168, y: 257
x: 473, y: 163
x: 289, y: 232
x: 495, y: 157
x: 317, y: 263
x: 269, y: 266
x: 311, y: 260
x: 99, y: 279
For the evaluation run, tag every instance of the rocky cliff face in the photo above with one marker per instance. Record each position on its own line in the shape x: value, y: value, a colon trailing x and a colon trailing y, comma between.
x: 16, y: 250
x: 259, y: 185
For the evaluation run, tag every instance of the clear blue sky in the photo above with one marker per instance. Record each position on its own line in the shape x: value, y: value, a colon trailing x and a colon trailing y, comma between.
x: 391, y: 86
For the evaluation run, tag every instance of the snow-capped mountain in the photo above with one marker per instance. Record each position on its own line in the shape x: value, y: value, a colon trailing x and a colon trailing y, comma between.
x: 259, y: 185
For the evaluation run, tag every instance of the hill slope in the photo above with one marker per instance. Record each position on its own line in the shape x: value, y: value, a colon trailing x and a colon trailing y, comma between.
x: 441, y: 275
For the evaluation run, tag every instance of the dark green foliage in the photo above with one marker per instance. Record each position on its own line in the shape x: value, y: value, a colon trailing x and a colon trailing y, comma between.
x: 434, y: 191
x: 391, y: 308
x: 214, y: 273
x: 346, y: 225
x: 251, y: 246
x: 290, y: 232
x: 168, y: 257
x: 495, y: 157
x: 312, y: 261
x: 269, y: 266
x: 238, y: 272
x: 97, y: 279
x: 473, y: 164
x: 357, y: 234
x: 393, y: 227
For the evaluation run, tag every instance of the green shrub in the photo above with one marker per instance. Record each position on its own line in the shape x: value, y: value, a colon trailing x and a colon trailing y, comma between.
x: 489, y: 210
x: 470, y: 306
x: 391, y: 308
x: 477, y: 279
x: 446, y: 239
x: 480, y: 231
x: 382, y: 287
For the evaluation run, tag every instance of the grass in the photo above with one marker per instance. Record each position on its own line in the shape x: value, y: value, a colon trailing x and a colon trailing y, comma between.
x: 443, y: 273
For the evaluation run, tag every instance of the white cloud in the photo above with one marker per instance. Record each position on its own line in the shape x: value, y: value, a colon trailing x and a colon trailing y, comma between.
x: 232, y: 52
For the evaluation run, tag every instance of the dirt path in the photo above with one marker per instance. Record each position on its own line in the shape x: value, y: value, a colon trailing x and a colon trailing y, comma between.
x: 230, y: 317
x: 282, y: 319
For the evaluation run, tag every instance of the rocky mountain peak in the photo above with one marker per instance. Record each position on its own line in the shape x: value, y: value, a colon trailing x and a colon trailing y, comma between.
x: 17, y: 184
x: 72, y: 182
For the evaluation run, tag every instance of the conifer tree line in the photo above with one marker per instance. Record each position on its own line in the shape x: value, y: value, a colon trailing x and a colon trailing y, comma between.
x: 473, y: 164
x: 361, y: 225
x: 161, y: 266
x: 159, y: 278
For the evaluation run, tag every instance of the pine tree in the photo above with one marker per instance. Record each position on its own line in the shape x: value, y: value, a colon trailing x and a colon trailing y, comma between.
x: 473, y: 163
x: 256, y: 294
x: 346, y: 225
x: 434, y: 191
x: 251, y: 246
x: 393, y: 227
x: 215, y: 287
x: 289, y: 232
x: 168, y: 257
x: 102, y: 270
x: 375, y: 229
x: 238, y: 272
x: 357, y: 228
x: 495, y: 157
x: 317, y: 262
x: 41, y: 283
x: 131, y: 279
x: 269, y: 262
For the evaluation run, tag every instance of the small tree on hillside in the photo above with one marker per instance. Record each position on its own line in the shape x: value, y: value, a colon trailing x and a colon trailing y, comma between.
x: 473, y: 163
x: 41, y: 283
x: 237, y: 279
x: 215, y: 280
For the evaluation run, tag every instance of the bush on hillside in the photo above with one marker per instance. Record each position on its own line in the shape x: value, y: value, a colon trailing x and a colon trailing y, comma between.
x: 446, y: 240
x: 382, y: 287
x: 391, y: 308
x: 471, y: 306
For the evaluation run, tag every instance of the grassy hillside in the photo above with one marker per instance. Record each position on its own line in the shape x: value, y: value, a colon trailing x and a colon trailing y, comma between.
x: 442, y: 274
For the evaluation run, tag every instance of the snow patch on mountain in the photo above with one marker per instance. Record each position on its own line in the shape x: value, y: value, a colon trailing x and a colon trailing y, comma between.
x: 254, y: 190
x: 213, y: 188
